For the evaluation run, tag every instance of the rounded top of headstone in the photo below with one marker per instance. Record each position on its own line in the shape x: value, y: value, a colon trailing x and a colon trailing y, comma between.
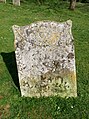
x: 42, y: 32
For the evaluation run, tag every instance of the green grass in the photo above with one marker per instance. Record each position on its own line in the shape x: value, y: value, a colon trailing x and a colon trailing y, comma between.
x: 12, y: 105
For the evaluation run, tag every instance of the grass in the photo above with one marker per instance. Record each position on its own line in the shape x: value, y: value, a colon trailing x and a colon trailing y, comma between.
x: 12, y: 105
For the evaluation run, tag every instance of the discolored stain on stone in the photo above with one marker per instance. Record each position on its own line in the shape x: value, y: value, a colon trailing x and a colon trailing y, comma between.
x: 70, y: 56
x: 45, y: 59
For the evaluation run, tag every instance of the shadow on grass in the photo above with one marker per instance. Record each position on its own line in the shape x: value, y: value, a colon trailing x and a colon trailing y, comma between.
x: 10, y: 62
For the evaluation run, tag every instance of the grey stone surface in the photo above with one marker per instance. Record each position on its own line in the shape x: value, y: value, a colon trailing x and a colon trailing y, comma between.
x: 45, y: 59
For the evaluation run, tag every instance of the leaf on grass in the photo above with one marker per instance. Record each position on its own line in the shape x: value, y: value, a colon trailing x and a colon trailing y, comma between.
x: 7, y: 107
x: 1, y: 97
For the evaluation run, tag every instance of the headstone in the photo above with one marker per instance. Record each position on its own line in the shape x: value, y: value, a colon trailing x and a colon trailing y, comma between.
x: 45, y: 59
x: 3, y: 1
x: 16, y: 2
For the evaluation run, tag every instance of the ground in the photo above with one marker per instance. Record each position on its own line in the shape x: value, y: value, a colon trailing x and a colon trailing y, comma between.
x: 12, y: 105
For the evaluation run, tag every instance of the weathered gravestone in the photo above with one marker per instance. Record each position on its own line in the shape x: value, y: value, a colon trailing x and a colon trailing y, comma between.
x: 45, y: 59
x: 16, y: 2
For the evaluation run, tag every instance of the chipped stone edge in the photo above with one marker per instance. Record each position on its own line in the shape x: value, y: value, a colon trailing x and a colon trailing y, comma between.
x: 15, y: 28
